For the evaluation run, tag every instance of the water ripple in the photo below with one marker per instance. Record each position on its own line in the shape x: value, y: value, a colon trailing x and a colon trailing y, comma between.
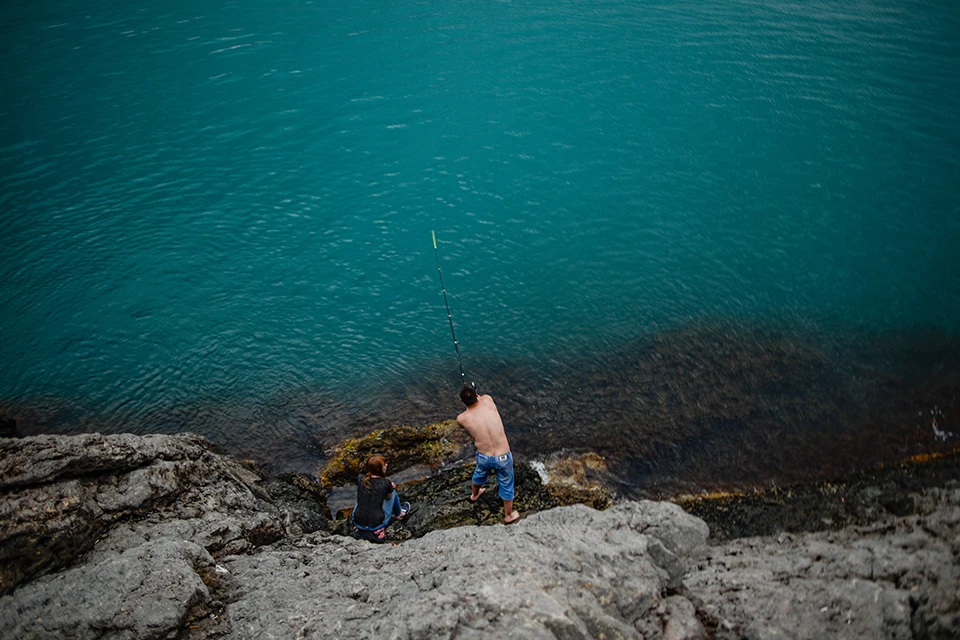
x: 213, y: 219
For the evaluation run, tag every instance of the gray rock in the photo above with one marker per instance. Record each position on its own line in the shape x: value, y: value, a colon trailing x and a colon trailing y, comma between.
x: 44, y: 459
x: 61, y: 495
x: 144, y: 592
x: 161, y: 537
x: 896, y: 579
x: 571, y: 572
x: 681, y: 621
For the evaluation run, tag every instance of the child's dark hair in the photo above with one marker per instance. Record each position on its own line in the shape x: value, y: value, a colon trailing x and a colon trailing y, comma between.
x: 468, y: 395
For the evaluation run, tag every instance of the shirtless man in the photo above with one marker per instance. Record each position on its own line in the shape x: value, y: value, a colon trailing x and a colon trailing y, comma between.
x: 482, y: 420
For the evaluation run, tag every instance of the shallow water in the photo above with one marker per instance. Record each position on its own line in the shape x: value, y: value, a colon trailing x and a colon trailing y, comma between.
x: 217, y: 217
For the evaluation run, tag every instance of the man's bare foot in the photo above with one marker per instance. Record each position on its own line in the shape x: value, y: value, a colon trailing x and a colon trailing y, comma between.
x: 513, y: 517
x: 479, y: 493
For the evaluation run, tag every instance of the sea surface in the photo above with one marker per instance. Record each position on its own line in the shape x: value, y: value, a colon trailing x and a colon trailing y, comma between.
x: 716, y: 241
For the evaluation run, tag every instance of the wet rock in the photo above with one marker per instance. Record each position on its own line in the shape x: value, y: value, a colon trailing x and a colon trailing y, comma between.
x: 439, y: 493
x: 575, y: 479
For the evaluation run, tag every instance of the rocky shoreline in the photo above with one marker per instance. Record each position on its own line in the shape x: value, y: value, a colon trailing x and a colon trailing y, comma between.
x: 859, y: 499
x: 126, y: 536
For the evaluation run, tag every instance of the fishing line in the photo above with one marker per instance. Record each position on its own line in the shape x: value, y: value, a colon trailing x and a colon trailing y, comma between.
x: 456, y: 344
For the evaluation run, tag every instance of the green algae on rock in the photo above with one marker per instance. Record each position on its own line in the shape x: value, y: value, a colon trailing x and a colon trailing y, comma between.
x: 432, y: 445
x: 570, y: 479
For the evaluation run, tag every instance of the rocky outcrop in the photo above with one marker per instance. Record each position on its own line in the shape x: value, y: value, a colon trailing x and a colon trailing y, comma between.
x: 62, y: 496
x: 162, y: 537
x: 896, y: 579
x: 571, y: 572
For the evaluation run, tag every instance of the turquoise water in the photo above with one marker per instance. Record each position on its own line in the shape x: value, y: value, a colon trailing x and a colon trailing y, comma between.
x: 217, y: 215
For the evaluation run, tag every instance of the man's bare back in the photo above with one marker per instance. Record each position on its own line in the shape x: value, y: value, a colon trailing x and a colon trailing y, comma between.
x: 482, y: 421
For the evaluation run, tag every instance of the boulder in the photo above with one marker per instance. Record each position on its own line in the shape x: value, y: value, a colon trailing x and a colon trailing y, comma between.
x: 143, y: 592
x: 893, y: 579
x: 61, y: 495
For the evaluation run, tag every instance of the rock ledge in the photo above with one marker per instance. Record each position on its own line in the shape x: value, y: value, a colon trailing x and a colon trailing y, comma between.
x: 162, y: 537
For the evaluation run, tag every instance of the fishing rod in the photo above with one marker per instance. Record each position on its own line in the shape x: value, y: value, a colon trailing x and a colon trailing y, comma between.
x: 456, y: 344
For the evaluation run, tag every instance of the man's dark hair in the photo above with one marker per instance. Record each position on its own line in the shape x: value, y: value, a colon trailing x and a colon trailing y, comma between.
x: 469, y: 394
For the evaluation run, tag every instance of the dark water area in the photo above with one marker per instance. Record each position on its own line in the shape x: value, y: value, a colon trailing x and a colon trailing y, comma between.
x: 701, y: 407
x: 714, y: 407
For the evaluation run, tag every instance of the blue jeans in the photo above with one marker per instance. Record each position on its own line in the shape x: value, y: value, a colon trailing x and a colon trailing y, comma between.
x: 391, y: 508
x: 502, y: 466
